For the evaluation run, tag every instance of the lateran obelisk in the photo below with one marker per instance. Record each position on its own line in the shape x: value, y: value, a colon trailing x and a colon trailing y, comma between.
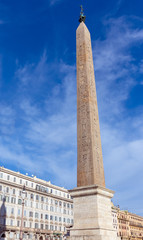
x: 92, y: 201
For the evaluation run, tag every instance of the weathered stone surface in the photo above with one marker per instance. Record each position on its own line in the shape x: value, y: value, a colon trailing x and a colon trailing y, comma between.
x: 92, y: 214
x: 90, y: 163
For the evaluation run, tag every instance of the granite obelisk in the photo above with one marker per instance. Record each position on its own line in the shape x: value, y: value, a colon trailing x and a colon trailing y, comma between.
x: 90, y: 163
x: 92, y: 201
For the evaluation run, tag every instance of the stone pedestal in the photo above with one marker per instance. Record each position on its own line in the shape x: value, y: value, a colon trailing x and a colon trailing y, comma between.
x: 92, y: 214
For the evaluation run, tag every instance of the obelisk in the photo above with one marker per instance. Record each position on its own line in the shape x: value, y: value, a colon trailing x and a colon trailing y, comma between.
x: 89, y: 151
x: 92, y: 201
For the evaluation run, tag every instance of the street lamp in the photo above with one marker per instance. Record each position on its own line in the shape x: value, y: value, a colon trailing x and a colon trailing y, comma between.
x: 23, y: 198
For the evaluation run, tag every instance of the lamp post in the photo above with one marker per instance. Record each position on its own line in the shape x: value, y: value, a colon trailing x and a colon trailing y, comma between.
x: 23, y: 198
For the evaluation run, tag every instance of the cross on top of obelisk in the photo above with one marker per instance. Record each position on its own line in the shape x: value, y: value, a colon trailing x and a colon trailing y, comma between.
x: 82, y: 16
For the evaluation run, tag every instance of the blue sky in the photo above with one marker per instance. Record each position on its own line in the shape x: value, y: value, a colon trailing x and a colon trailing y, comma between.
x: 38, y: 90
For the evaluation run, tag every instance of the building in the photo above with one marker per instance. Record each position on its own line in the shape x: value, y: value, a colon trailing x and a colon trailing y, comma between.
x: 45, y: 209
x: 129, y: 226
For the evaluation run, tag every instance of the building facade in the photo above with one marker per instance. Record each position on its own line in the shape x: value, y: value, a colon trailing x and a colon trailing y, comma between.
x: 32, y: 208
x: 129, y: 226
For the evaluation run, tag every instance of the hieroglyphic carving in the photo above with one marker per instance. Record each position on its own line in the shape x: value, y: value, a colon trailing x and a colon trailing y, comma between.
x: 90, y: 163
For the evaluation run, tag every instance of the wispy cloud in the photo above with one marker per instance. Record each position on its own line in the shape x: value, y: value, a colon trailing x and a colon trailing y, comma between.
x: 46, y: 131
x: 117, y: 73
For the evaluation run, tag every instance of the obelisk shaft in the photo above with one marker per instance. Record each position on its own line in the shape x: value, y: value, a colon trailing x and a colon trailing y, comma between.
x: 90, y: 162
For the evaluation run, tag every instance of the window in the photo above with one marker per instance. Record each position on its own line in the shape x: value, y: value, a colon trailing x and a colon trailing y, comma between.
x: 36, y: 205
x: 60, y: 203
x: 18, y: 212
x: 36, y: 215
x: 36, y: 225
x: 42, y: 226
x: 32, y: 196
x: 55, y: 218
x: 20, y: 181
x: 7, y: 189
x: 32, y: 185
x: 51, y: 227
x: 55, y: 228
x: 0, y: 188
x: 14, y: 179
x: 46, y: 227
x: 12, y: 210
x: 64, y: 204
x: 51, y: 209
x: 11, y: 222
x: 51, y: 217
x: 46, y: 216
x: 1, y: 175
x: 24, y: 224
x: 64, y: 220
x: 71, y: 205
x: 37, y: 197
x: 60, y: 219
x: 13, y: 191
x: 30, y: 214
x: 20, y: 193
x: 8, y: 177
x: 19, y: 201
x: 47, y: 207
x: 26, y: 183
x: 7, y: 199
x: 46, y: 200
x: 24, y: 213
x: 18, y: 223
x: 41, y: 216
x: 42, y: 199
x: 56, y: 202
x: 68, y: 205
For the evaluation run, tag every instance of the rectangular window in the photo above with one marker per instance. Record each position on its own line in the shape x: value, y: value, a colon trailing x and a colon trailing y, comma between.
x: 46, y: 227
x: 46, y: 216
x: 30, y: 214
x: 20, y: 181
x: 18, y: 223
x: 51, y: 217
x: 36, y: 225
x: 37, y: 197
x: 1, y: 175
x: 19, y: 201
x: 13, y: 191
x: 8, y: 177
x: 14, y: 179
x: 32, y: 196
x: 24, y: 213
x: 36, y: 215
x: 0, y: 187
x: 42, y: 226
x: 12, y: 210
x: 18, y: 212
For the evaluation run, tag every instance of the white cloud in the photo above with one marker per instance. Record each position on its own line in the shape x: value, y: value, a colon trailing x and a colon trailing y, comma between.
x: 45, y: 139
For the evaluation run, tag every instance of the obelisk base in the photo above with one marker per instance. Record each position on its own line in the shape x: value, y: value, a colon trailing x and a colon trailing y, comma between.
x: 92, y: 214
